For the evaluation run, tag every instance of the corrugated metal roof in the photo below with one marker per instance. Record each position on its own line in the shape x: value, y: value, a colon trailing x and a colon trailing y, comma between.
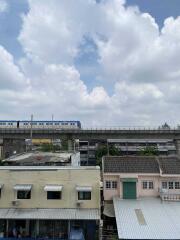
x: 162, y: 219
x: 109, y: 210
x: 48, y: 168
x: 50, y: 214
x: 136, y: 140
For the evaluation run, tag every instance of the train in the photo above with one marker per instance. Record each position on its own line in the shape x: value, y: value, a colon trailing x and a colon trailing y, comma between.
x: 41, y: 124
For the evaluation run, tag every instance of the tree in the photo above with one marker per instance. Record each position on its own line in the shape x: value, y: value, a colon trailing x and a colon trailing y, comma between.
x: 102, y: 150
x: 149, y: 151
x: 49, y: 148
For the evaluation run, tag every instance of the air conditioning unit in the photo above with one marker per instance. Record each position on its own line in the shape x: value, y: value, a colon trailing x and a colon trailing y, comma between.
x: 79, y: 204
x: 15, y: 203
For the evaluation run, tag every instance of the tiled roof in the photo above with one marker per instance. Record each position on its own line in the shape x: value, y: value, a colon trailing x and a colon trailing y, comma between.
x: 130, y: 164
x: 169, y: 165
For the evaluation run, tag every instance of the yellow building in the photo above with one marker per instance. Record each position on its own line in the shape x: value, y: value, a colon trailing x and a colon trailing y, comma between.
x: 53, y: 202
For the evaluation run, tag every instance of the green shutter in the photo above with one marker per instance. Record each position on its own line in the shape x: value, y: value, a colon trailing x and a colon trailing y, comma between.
x: 129, y: 190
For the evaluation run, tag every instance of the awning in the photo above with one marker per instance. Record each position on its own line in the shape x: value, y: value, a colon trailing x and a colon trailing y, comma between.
x: 53, y: 188
x: 50, y: 214
x: 83, y: 188
x: 22, y: 187
x: 109, y: 210
x: 129, y: 179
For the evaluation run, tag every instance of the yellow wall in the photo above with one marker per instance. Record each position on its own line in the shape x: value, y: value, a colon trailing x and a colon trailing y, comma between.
x: 41, y: 141
x: 69, y: 178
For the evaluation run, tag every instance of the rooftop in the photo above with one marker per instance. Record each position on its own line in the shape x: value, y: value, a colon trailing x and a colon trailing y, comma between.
x: 142, y: 164
x: 130, y: 164
x: 147, y: 219
x: 169, y: 165
x: 41, y: 158
x: 47, y: 168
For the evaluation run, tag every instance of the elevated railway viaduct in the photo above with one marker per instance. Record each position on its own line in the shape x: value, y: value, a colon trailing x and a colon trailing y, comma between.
x: 14, y: 139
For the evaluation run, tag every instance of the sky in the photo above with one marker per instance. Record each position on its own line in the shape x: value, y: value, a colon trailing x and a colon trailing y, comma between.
x: 105, y: 62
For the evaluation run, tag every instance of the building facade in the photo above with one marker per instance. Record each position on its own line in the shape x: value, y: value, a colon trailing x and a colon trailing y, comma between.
x: 137, y: 177
x: 52, y: 202
x: 141, y: 191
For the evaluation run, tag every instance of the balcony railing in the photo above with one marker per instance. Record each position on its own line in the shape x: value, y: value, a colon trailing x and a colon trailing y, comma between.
x: 170, y: 196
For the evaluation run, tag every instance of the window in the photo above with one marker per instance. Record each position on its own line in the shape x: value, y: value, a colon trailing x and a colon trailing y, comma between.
x: 147, y: 185
x: 177, y: 185
x: 164, y: 185
x: 53, y: 195
x: 171, y: 185
x: 84, y: 195
x: 23, y: 194
x: 114, y: 184
x: 144, y: 184
x: 151, y: 185
x: 108, y: 184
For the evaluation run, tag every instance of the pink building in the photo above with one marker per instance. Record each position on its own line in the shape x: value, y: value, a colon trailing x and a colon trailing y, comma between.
x: 134, y: 177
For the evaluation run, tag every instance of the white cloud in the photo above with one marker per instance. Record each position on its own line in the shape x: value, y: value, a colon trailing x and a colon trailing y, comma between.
x: 3, y: 6
x: 139, y: 64
x: 10, y: 74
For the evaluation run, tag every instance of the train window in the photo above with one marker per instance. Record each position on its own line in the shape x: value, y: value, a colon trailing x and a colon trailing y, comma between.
x: 51, y: 124
x: 56, y: 123
x: 4, y: 123
x: 47, y: 123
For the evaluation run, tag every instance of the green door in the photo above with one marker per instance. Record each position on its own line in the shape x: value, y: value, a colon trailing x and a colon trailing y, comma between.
x: 129, y: 190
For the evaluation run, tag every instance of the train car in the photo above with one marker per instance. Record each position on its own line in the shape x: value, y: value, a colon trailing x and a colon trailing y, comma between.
x: 41, y: 124
x: 50, y: 124
x: 8, y: 124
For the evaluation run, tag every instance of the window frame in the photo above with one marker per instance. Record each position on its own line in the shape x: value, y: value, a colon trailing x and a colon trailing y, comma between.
x: 172, y: 186
x: 177, y: 182
x: 114, y: 184
x: 28, y: 192
x: 49, y: 196
x: 108, y: 184
x: 146, y: 185
x: 164, y: 183
x: 84, y: 195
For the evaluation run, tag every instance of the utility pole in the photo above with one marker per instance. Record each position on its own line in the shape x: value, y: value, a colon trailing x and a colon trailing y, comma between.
x: 31, y: 133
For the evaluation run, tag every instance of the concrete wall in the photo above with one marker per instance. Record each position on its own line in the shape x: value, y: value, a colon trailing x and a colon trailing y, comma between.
x: 68, y: 178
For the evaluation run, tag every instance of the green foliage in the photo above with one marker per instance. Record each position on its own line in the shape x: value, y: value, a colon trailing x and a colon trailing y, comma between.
x: 103, y: 151
x: 64, y: 145
x: 49, y: 147
x: 149, y: 151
